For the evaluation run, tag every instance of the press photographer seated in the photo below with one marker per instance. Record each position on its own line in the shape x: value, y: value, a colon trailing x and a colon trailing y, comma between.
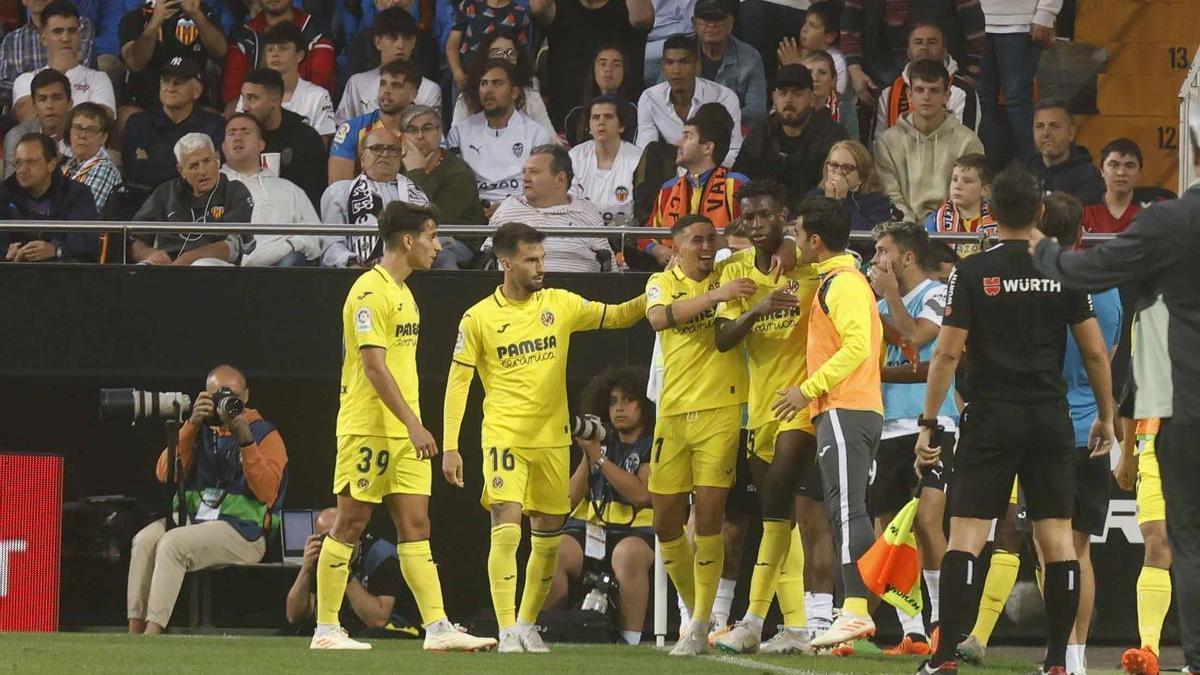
x: 612, y: 522
x: 376, y: 596
x: 232, y: 466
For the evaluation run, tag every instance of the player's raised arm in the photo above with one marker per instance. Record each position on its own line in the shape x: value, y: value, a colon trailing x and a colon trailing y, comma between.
x: 664, y: 313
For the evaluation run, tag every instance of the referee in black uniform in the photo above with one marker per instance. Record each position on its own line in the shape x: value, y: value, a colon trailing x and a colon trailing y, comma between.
x: 1012, y: 322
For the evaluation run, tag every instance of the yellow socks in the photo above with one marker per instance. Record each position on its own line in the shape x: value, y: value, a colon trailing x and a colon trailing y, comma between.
x: 772, y: 550
x: 333, y: 569
x: 1001, y: 576
x: 678, y: 559
x: 1153, y: 601
x: 539, y: 573
x: 856, y: 606
x: 502, y: 572
x: 790, y: 589
x: 710, y: 558
x: 421, y: 575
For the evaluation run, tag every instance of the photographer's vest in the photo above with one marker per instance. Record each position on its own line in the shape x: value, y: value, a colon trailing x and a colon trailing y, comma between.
x: 216, y: 487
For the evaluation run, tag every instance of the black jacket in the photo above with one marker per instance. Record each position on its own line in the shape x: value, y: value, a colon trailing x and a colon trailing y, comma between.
x: 1077, y: 176
x: 65, y: 200
x: 302, y: 156
x: 1157, y: 252
x: 175, y: 202
x: 148, y: 151
x: 762, y: 156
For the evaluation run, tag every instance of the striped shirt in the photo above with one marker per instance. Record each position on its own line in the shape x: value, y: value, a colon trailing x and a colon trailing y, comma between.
x: 98, y: 173
x: 22, y: 51
x: 563, y: 254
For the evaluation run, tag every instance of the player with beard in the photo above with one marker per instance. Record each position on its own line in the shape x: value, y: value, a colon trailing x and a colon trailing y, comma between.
x: 772, y: 323
x: 398, y: 85
x: 791, y: 145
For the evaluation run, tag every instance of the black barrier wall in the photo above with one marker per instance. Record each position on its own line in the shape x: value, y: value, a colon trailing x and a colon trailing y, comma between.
x: 67, y: 331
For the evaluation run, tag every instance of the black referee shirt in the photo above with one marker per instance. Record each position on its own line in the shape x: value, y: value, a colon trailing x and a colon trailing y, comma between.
x: 1017, y: 324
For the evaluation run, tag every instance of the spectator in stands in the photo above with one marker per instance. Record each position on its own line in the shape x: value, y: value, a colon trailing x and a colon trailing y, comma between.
x: 501, y: 45
x: 1121, y: 168
x: 575, y: 32
x: 376, y: 596
x: 821, y: 66
x: 1060, y: 164
x: 926, y: 41
x: 22, y: 50
x: 396, y: 89
x: 729, y: 61
x: 39, y: 191
x: 154, y: 34
x: 361, y: 200
x: 444, y: 177
x: 967, y: 209
x: 360, y: 25
x: 604, y: 166
x: 1017, y: 32
x: 875, y: 47
x: 51, y: 103
x: 395, y: 35
x: 663, y: 108
x: 611, y: 75
x: 60, y: 36
x: 767, y: 23
x: 285, y: 51
x: 300, y: 148
x: 496, y: 141
x: 547, y: 202
x: 608, y: 490
x: 247, y: 52
x: 820, y: 32
x: 148, y: 148
x: 671, y: 17
x: 276, y: 200
x: 242, y: 458
x: 791, y: 145
x: 474, y: 20
x: 849, y: 176
x: 700, y: 150
x: 916, y: 156
x: 88, y: 126
x: 201, y: 194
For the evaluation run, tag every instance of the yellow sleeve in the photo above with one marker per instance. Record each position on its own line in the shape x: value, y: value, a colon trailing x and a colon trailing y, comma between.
x: 591, y: 315
x: 465, y: 348
x: 730, y: 309
x: 849, y: 306
x: 371, y: 313
x: 455, y: 406
x: 658, y: 290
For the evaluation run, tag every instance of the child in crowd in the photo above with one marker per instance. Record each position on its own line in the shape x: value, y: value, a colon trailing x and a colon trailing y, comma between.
x: 473, y: 21
x: 819, y: 34
x: 967, y: 208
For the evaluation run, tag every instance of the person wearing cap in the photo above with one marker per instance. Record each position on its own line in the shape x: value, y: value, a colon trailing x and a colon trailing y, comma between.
x: 395, y: 35
x: 445, y: 178
x: 64, y: 49
x: 154, y: 33
x: 1157, y: 251
x: 148, y: 150
x: 790, y: 146
x: 729, y: 61
x: 663, y: 108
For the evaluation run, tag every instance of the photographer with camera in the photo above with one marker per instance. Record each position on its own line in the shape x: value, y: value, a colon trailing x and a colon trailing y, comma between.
x: 231, y: 462
x: 612, y: 522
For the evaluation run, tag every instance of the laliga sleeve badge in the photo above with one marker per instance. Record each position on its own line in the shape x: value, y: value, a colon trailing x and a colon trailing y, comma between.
x: 460, y: 343
x: 362, y: 320
x: 653, y: 294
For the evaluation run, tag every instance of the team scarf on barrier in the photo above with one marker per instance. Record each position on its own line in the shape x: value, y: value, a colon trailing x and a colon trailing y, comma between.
x: 891, y: 568
x: 715, y: 199
x: 364, y: 207
x: 948, y: 219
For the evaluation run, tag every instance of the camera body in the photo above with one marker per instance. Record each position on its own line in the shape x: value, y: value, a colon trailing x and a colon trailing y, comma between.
x: 601, y: 585
x: 226, y: 403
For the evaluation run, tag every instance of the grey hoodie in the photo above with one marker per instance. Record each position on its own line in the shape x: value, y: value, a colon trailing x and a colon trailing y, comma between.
x: 915, y: 168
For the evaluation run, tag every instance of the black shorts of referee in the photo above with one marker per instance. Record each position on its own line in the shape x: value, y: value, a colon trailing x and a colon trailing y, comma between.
x: 1093, y: 485
x: 896, y: 481
x: 1000, y: 440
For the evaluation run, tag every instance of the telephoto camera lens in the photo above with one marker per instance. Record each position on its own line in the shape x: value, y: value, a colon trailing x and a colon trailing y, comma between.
x: 588, y: 427
x: 136, y: 405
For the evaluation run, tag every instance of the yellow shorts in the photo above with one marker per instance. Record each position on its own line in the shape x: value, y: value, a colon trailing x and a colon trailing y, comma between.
x: 696, y: 449
x: 1150, y: 503
x: 762, y: 440
x: 1014, y: 498
x: 373, y: 467
x: 535, y: 478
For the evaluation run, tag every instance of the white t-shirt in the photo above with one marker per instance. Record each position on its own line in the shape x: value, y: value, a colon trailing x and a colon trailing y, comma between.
x: 312, y: 102
x: 497, y: 156
x: 611, y: 190
x: 362, y: 94
x: 86, y: 85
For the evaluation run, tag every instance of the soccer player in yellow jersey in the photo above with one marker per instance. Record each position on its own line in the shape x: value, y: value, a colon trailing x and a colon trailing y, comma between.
x: 699, y: 419
x: 772, y: 324
x: 517, y: 339
x: 383, y: 447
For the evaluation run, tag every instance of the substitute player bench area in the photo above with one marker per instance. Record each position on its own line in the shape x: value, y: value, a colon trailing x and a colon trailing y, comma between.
x: 119, y: 653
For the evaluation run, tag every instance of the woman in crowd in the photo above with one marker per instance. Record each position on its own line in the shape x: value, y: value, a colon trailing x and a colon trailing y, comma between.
x: 849, y: 177
x: 608, y: 79
x: 502, y: 45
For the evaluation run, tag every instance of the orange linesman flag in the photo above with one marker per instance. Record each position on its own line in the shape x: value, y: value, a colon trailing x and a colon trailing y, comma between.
x: 891, y: 568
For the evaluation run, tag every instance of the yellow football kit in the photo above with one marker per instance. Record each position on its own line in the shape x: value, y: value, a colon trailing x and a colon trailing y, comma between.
x: 1150, y: 503
x: 375, y: 457
x: 699, y: 411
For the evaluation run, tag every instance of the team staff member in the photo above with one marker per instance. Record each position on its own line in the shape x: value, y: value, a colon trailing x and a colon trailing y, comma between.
x: 842, y: 392
x: 383, y: 447
x: 518, y: 339
x: 699, y: 419
x: 1013, y: 322
x: 773, y: 325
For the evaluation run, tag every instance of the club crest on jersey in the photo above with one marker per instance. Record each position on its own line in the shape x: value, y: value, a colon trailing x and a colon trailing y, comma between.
x: 497, y: 483
x: 547, y: 318
x: 991, y: 286
x: 363, y: 483
x: 518, y: 149
x: 712, y: 286
x: 621, y: 193
x: 792, y: 286
x: 216, y: 212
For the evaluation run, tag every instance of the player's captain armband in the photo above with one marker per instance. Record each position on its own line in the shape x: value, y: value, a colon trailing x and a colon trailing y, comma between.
x: 362, y: 320
x: 653, y: 294
x: 460, y: 343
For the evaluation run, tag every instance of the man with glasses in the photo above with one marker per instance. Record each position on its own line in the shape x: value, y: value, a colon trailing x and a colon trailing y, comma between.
x: 38, y: 191
x: 444, y: 177
x: 398, y: 85
x: 360, y: 200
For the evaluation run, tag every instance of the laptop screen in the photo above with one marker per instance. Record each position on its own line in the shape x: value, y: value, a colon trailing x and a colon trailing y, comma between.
x: 297, y: 528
